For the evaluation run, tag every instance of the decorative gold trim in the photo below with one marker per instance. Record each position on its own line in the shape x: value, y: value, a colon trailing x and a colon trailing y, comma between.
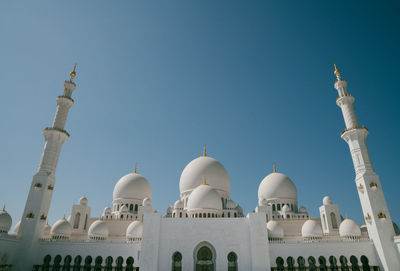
x: 274, y: 168
x: 373, y: 185
x: 360, y: 187
x: 38, y: 185
x: 50, y: 187
x: 72, y: 74
x: 205, y: 150
x: 43, y: 217
x: 30, y: 215
x: 381, y: 215
x: 368, y: 217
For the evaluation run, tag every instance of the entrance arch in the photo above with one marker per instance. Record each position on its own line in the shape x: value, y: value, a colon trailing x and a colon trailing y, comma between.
x: 204, y: 257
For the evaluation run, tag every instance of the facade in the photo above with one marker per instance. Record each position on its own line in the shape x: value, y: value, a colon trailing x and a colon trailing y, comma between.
x: 132, y: 235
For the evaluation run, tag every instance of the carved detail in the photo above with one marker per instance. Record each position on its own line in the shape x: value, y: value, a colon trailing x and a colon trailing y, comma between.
x: 38, y: 185
x: 30, y: 215
x: 381, y: 215
x: 43, y: 217
x: 373, y: 185
x: 50, y: 187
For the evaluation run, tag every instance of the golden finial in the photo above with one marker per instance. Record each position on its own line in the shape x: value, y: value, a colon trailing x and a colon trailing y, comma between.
x: 347, y: 217
x: 204, y: 180
x: 336, y: 72
x: 4, y: 207
x: 47, y: 222
x: 64, y: 216
x: 205, y: 150
x: 134, y: 170
x: 274, y: 168
x: 72, y: 74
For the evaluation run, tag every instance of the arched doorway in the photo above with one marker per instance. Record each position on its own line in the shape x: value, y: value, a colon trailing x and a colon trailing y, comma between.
x: 204, y: 257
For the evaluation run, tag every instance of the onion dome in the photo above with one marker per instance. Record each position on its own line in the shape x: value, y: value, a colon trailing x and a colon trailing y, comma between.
x: 178, y: 204
x: 83, y: 201
x: 107, y: 211
x: 123, y: 209
x: 326, y: 200
x: 5, y: 221
x: 16, y: 228
x: 349, y: 228
x: 275, y: 229
x: 98, y: 230
x: 311, y: 228
x: 277, y: 186
x: 204, y: 197
x: 132, y: 186
x: 62, y: 229
x: 303, y: 209
x: 134, y: 231
x: 230, y: 204
x: 286, y: 208
x: 146, y: 202
x: 216, y: 174
x: 46, y: 230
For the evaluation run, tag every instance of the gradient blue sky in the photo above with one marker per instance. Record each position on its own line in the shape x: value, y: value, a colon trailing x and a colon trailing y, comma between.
x: 158, y: 79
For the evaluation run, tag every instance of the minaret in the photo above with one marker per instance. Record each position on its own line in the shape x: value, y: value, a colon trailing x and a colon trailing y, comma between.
x: 43, y: 182
x: 373, y: 203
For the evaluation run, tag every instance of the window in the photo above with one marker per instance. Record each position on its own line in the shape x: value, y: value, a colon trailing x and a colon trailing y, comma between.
x: 229, y: 214
x: 333, y: 220
x: 273, y: 207
x: 177, y: 261
x: 76, y: 220
x: 131, y: 207
x: 97, y: 263
x: 278, y: 206
x: 232, y: 262
x: 204, y: 259
x: 136, y: 208
x: 129, y: 264
x: 84, y: 226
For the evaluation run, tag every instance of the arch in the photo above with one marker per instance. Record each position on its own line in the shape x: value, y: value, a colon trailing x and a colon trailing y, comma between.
x: 232, y: 261
x: 365, y: 263
x: 280, y: 264
x: 343, y: 263
x: 86, y: 218
x: 97, y: 263
x: 302, y: 263
x: 278, y: 206
x: 176, y: 261
x: 180, y: 214
x: 322, y: 263
x: 57, y: 263
x: 324, y: 222
x: 46, y: 263
x: 290, y: 262
x: 119, y: 261
x: 136, y: 208
x: 333, y: 220
x: 131, y: 207
x: 67, y: 263
x: 108, y: 262
x: 204, y: 257
x: 311, y: 263
x: 77, y: 263
x: 354, y: 263
x: 129, y: 263
x: 229, y: 214
x: 173, y: 214
x: 333, y: 263
x: 273, y: 207
x: 88, y: 263
x: 76, y: 220
x: 234, y: 214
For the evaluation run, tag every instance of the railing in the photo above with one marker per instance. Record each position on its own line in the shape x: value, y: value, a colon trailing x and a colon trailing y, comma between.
x: 337, y: 268
x: 81, y: 268
x: 4, y: 267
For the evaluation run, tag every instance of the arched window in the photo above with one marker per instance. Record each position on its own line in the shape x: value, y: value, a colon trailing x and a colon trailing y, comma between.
x: 324, y: 222
x: 333, y: 219
x: 333, y: 263
x: 180, y: 214
x: 136, y: 208
x: 311, y: 263
x: 354, y: 263
x: 208, y: 215
x: 129, y: 264
x: 57, y: 263
x: 273, y: 207
x: 322, y: 263
x: 235, y: 214
x: 77, y: 263
x: 84, y: 226
x: 223, y: 203
x: 119, y: 261
x: 131, y: 207
x: 186, y: 215
x: 67, y: 263
x: 97, y: 263
x: 343, y: 263
x: 280, y: 264
x: 122, y: 216
x: 88, y: 264
x: 205, y: 259
x: 229, y: 214
x: 76, y: 220
x: 232, y: 262
x: 109, y: 261
x: 290, y: 262
x: 302, y: 263
x: 200, y: 215
x: 173, y: 214
x: 223, y: 215
x: 46, y: 262
x: 278, y: 207
x: 365, y: 263
x: 177, y: 261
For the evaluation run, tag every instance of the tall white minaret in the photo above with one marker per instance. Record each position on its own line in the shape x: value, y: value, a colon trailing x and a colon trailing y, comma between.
x: 373, y: 203
x: 42, y: 187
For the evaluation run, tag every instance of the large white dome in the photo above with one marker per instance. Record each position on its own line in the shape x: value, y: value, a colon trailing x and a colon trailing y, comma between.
x: 98, y: 229
x: 132, y: 186
x: 311, y: 228
x: 275, y: 229
x: 193, y: 174
x: 204, y: 197
x: 277, y: 186
x: 349, y: 228
x: 134, y: 230
x: 62, y: 228
x: 5, y: 221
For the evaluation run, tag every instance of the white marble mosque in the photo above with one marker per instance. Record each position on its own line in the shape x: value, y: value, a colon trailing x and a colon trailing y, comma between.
x: 204, y: 229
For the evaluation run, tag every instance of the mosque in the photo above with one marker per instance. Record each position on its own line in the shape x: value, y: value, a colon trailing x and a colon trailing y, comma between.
x: 205, y: 229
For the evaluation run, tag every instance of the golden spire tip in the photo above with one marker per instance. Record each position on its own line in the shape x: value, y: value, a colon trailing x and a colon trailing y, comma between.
x: 274, y: 168
x: 4, y: 207
x: 134, y: 170
x: 204, y: 180
x: 72, y: 74
x: 336, y: 72
x: 205, y: 150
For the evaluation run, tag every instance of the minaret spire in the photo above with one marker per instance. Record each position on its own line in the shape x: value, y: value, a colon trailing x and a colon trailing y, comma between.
x: 373, y: 203
x: 205, y: 150
x: 43, y: 182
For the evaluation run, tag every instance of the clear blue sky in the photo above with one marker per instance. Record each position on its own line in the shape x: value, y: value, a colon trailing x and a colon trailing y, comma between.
x: 158, y: 79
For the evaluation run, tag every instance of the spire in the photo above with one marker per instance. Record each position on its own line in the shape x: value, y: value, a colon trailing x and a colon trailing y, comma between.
x: 4, y: 207
x: 204, y: 180
x: 72, y: 74
x: 337, y: 72
x: 274, y: 168
x: 205, y: 150
x: 134, y: 170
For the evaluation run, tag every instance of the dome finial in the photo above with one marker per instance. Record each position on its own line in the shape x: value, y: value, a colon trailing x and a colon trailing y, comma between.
x: 347, y: 217
x: 4, y: 207
x: 204, y: 180
x: 336, y: 72
x: 72, y: 74
x: 64, y: 216
x: 205, y: 150
x: 274, y: 168
x: 134, y: 170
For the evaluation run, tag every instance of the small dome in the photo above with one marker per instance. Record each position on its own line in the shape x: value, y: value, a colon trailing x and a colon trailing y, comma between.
x: 216, y: 174
x: 230, y: 204
x: 123, y: 209
x: 363, y: 228
x: 311, y: 228
x: 5, y: 221
x: 134, y: 230
x: 349, y: 228
x: 275, y: 229
x: 83, y: 201
x: 239, y: 209
x: 132, y: 186
x: 62, y: 228
x: 204, y: 197
x: 107, y: 211
x: 277, y: 186
x: 178, y: 204
x: 303, y: 209
x: 16, y: 228
x: 286, y: 208
x: 326, y: 200
x: 98, y: 230
x: 146, y: 202
x: 46, y: 230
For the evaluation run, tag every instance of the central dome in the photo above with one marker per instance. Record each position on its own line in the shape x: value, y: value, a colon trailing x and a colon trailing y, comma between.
x: 132, y: 186
x: 277, y: 186
x: 193, y: 174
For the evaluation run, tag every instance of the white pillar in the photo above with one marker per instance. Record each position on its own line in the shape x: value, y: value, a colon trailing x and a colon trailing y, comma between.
x: 373, y: 203
x: 43, y: 182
